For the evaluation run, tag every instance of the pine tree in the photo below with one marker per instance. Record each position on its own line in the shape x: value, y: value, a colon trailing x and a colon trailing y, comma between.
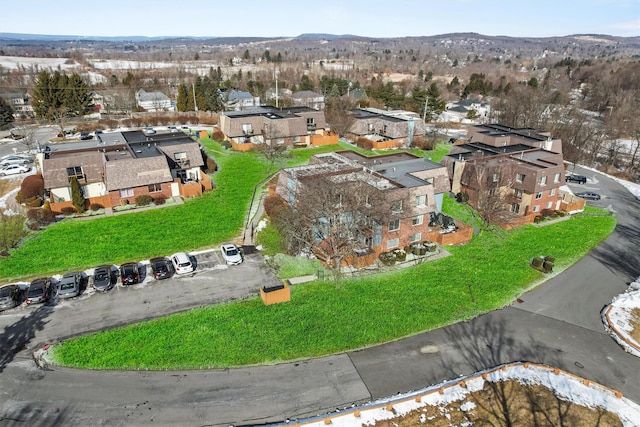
x: 77, y: 198
x: 6, y: 113
x: 183, y: 96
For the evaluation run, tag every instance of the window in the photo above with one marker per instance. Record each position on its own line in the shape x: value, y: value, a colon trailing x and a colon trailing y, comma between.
x: 552, y: 192
x: 543, y: 180
x: 549, y: 204
x: 180, y: 156
x: 495, y: 177
x: 384, y: 129
x: 556, y: 177
x: 520, y: 177
x: 518, y: 193
x: 393, y: 243
x: 416, y: 237
x: 296, y: 139
x: 539, y: 195
x: 421, y: 201
x: 75, y: 171
x: 154, y: 188
x: 536, y: 208
x: 418, y: 219
x: 247, y: 129
x: 369, y: 127
x: 503, y: 143
x: 515, y: 208
x: 126, y: 192
x: 394, y: 225
x: 396, y: 206
x: 311, y: 122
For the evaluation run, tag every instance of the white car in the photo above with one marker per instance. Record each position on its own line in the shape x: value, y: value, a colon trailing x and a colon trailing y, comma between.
x: 231, y: 254
x: 181, y: 263
x: 14, y: 169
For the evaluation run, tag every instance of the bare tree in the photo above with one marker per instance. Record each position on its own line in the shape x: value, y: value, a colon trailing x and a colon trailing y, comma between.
x: 490, y: 185
x: 337, y: 216
x: 337, y: 112
x: 273, y: 148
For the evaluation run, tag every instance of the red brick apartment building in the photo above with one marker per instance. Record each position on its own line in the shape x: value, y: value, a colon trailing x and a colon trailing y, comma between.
x: 524, y: 165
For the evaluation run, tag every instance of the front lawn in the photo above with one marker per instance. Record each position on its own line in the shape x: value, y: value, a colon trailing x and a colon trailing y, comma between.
x: 324, y: 318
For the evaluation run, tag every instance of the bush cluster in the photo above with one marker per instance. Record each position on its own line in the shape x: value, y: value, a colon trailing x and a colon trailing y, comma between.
x: 160, y: 200
x: 543, y: 264
x: 217, y: 135
x: 423, y: 144
x: 144, y: 200
x: 39, y: 217
x: 68, y: 210
x: 95, y: 207
x: 462, y: 197
x: 364, y: 143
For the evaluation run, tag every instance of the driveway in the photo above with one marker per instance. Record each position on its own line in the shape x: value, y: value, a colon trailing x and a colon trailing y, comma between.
x: 557, y: 324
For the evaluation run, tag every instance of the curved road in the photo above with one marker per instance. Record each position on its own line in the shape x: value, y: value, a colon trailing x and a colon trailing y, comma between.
x: 558, y: 324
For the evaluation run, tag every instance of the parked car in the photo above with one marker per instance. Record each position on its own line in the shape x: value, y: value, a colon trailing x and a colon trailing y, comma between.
x: 104, y: 278
x: 231, y: 254
x: 13, y: 170
x: 587, y: 195
x: 149, y: 130
x: 15, y: 159
x: 70, y: 285
x: 129, y: 273
x: 161, y: 267
x: 85, y: 136
x: 181, y: 263
x: 172, y: 128
x: 12, y: 295
x: 41, y: 290
x: 580, y: 179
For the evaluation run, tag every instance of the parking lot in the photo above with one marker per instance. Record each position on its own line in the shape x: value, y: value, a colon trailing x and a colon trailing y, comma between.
x: 212, y: 282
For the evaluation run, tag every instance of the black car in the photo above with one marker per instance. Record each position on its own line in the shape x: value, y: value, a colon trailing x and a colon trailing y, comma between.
x: 580, y: 179
x: 161, y: 267
x: 85, y: 136
x: 12, y: 296
x: 129, y: 273
x: 104, y: 278
x: 41, y: 290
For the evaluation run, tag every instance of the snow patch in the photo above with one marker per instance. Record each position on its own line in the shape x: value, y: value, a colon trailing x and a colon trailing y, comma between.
x: 616, y: 318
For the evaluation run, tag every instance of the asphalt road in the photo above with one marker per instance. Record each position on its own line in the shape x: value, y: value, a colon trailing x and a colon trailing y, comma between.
x: 558, y: 324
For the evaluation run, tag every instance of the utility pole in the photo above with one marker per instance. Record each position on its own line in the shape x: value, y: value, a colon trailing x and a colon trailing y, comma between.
x: 276, y: 76
x: 195, y: 104
x: 426, y: 104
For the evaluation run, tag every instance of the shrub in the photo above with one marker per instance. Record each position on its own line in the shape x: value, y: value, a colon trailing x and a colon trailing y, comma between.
x: 144, y: 200
x: 274, y: 205
x: 364, y: 143
x: 430, y: 246
x: 421, y: 143
x: 387, y: 258
x: 212, y: 166
x: 418, y: 248
x: 160, y: 199
x: 400, y: 254
x: 538, y: 219
x: 217, y: 135
x: 95, y: 207
x: 32, y: 186
x: 68, y: 210
x: 549, y: 258
x: 40, y: 216
x: 226, y: 144
x: 462, y: 197
x: 547, y: 266
x: 31, y: 202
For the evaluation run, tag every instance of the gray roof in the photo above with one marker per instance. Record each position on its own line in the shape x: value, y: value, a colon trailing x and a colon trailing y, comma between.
x: 55, y: 168
x: 143, y: 96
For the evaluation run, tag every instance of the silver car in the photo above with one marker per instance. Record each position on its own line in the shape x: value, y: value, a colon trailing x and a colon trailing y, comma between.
x: 69, y: 286
x: 12, y: 296
x: 15, y: 159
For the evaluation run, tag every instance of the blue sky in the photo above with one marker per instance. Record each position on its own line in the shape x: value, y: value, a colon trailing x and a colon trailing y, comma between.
x: 270, y: 18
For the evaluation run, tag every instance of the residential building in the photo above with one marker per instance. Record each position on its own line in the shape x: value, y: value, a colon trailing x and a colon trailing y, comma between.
x: 21, y: 104
x: 308, y: 98
x: 117, y: 167
x: 398, y: 127
x: 465, y: 111
x: 523, y: 167
x: 300, y: 126
x: 154, y: 101
x: 238, y: 100
x: 412, y: 187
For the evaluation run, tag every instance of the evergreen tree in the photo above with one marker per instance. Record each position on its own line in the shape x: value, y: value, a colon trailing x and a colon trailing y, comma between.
x: 182, y: 98
x: 435, y: 104
x: 6, y: 113
x: 306, y: 83
x: 77, y: 198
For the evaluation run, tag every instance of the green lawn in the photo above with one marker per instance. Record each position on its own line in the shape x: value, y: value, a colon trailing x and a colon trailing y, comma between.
x: 323, y: 318
x: 199, y: 223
